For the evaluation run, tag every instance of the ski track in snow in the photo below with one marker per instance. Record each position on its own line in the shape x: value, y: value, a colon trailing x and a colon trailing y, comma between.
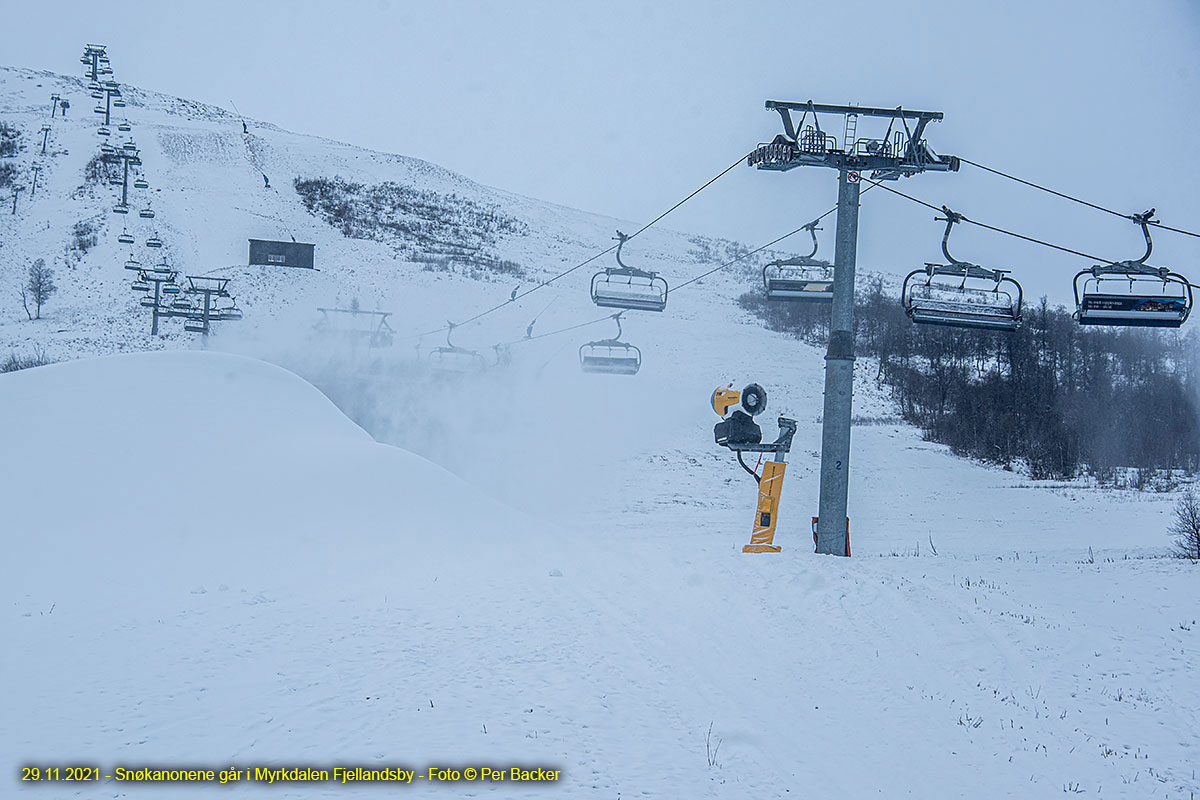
x: 343, y: 602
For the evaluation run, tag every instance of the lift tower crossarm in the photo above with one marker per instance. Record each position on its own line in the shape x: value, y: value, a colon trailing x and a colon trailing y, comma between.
x: 885, y: 159
x: 862, y: 111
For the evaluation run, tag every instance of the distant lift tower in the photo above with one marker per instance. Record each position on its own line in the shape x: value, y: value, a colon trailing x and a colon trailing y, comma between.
x: 901, y: 152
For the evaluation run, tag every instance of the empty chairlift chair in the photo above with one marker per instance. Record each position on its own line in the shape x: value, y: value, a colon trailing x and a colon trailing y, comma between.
x: 454, y: 359
x: 629, y: 288
x: 154, y: 241
x: 125, y: 237
x: 803, y: 279
x: 146, y: 213
x: 1131, y: 293
x: 961, y: 294
x: 610, y: 356
x: 124, y: 127
x: 141, y: 183
x: 120, y: 208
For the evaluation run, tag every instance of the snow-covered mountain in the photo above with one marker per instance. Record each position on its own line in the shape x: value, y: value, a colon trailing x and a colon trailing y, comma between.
x: 207, y: 563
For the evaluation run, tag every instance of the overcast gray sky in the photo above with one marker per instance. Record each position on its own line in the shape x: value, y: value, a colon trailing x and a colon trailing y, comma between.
x: 624, y: 107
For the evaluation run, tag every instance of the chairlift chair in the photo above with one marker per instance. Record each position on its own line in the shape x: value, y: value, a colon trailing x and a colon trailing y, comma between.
x: 146, y: 213
x: 1154, y: 297
x: 118, y: 103
x: 452, y: 358
x: 629, y: 288
x: 148, y: 302
x: 181, y: 304
x: 171, y: 288
x: 194, y: 325
x: 804, y: 278
x: 154, y: 241
x: 115, y: 181
x: 133, y: 264
x: 97, y: 95
x: 124, y: 127
x: 100, y: 110
x: 228, y: 313
x: 610, y: 356
x: 125, y: 237
x: 120, y: 208
x: 957, y: 294
x: 103, y: 131
x: 141, y: 183
x: 140, y: 286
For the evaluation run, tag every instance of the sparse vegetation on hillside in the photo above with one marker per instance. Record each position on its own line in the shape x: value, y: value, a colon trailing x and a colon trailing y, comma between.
x: 1119, y: 404
x: 444, y: 231
x: 10, y: 140
x: 15, y: 362
x: 84, y: 236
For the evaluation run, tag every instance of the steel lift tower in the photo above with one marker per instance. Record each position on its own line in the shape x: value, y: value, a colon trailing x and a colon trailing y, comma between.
x: 901, y: 152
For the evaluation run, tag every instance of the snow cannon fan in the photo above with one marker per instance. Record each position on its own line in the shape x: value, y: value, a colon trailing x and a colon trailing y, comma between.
x: 741, y: 434
x: 740, y: 428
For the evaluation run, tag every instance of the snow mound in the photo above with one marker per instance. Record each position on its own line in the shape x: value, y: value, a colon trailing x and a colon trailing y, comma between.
x: 188, y: 469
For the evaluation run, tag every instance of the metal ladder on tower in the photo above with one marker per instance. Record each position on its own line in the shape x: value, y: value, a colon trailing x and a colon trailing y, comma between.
x: 851, y: 131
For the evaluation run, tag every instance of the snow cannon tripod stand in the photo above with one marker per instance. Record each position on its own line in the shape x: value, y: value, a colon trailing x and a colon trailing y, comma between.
x: 741, y: 434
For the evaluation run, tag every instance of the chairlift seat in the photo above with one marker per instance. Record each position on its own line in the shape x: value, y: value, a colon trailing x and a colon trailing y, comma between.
x: 154, y: 241
x: 457, y: 360
x: 171, y: 288
x: 124, y: 127
x: 103, y: 131
x: 1137, y: 307
x: 148, y: 302
x: 193, y: 325
x: 146, y: 213
x: 118, y: 103
x: 125, y: 238
x: 120, y: 209
x: 798, y: 288
x: 180, y: 304
x: 610, y: 357
x: 140, y: 286
x: 141, y: 184
x: 631, y: 289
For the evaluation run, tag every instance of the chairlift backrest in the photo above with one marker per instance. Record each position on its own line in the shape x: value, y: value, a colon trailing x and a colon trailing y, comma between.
x: 961, y: 294
x: 803, y: 278
x: 627, y: 287
x: 610, y: 356
x: 1133, y: 293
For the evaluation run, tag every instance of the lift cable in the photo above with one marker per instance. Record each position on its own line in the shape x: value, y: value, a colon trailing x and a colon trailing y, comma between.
x: 556, y: 332
x: 759, y: 249
x: 941, y: 210
x: 1071, y: 197
x: 583, y: 264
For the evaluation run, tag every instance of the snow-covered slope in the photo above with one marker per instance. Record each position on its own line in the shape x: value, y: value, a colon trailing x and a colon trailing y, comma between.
x: 208, y: 194
x: 207, y: 563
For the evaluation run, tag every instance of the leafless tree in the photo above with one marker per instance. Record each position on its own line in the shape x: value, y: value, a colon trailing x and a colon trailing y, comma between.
x: 1186, y: 527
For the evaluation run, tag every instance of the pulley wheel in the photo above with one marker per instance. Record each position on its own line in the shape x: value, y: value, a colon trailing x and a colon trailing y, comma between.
x: 754, y: 399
